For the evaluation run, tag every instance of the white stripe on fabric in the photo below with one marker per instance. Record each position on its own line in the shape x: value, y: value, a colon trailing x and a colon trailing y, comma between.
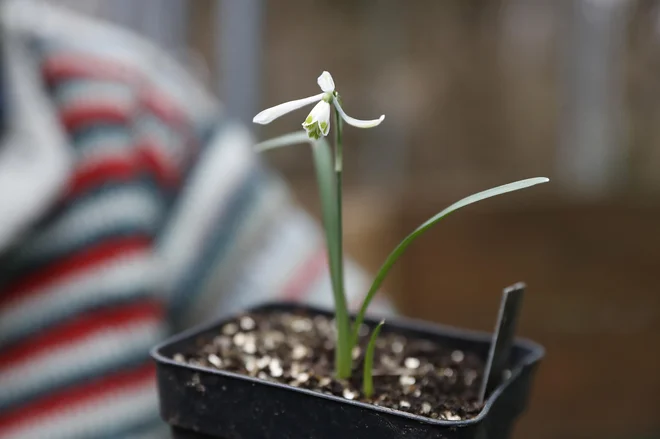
x: 94, y: 92
x: 221, y: 168
x: 105, y: 153
x: 169, y: 140
x: 269, y: 203
x: 103, y: 141
x: 295, y: 241
x: 96, y: 418
x: 129, y: 206
x: 320, y: 292
x: 97, y: 37
x: 357, y: 283
x: 35, y: 157
x: 101, y: 349
x: 291, y: 241
x: 118, y: 279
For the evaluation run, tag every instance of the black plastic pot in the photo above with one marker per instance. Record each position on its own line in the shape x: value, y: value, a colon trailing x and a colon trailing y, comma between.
x: 201, y: 403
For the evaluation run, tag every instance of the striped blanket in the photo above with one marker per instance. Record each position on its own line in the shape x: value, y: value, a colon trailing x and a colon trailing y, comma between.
x: 130, y: 208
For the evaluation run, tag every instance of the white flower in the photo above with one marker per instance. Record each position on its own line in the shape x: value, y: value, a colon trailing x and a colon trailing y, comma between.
x: 326, y: 82
x: 317, y: 122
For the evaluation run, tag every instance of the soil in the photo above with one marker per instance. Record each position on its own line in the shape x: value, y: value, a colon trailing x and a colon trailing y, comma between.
x: 411, y: 375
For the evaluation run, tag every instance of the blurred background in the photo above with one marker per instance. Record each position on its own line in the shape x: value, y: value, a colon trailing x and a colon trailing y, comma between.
x: 477, y: 94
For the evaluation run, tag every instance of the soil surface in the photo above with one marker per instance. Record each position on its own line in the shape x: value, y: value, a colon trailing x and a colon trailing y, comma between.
x: 411, y: 375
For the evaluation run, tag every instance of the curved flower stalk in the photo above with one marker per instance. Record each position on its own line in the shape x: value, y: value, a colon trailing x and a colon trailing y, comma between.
x: 317, y: 123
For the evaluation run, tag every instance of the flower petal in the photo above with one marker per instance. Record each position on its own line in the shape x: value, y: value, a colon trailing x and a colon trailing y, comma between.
x: 270, y: 114
x: 326, y: 82
x: 317, y: 124
x: 357, y: 122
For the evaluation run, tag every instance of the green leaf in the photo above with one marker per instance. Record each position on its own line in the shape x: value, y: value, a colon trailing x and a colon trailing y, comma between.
x: 367, y: 378
x: 329, y: 184
x: 398, y: 251
x: 330, y: 209
x: 286, y: 140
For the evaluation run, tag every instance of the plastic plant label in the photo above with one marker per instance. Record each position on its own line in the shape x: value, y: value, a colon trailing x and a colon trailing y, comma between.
x: 503, y: 338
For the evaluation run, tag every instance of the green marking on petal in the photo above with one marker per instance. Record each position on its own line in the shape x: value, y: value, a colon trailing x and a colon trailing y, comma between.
x: 313, y: 130
x: 308, y: 120
x: 324, y: 126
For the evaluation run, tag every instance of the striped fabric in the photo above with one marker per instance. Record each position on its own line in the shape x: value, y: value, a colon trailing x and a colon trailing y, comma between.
x: 151, y: 214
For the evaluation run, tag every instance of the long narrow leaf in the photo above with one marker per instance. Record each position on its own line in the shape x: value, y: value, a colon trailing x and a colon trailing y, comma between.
x: 398, y: 251
x: 286, y: 140
x: 345, y: 363
x: 367, y: 374
x: 327, y: 183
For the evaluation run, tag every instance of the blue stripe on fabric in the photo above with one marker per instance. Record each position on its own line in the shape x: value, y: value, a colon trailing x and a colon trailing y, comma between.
x: 149, y: 425
x: 127, y: 362
x: 85, y: 135
x: 219, y: 240
x: 142, y: 182
x: 204, y: 135
x: 168, y: 195
x: 25, y: 266
x: 13, y: 265
x: 30, y: 328
x: 206, y: 131
x: 106, y: 189
x: 150, y: 123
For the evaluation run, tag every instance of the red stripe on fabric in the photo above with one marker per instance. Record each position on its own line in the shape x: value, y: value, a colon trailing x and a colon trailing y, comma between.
x: 90, y: 112
x: 82, y: 327
x: 164, y: 108
x: 151, y: 158
x: 144, y: 158
x: 305, y: 276
x: 173, y: 115
x: 85, y: 259
x: 83, y: 394
x: 63, y: 66
x: 87, y: 175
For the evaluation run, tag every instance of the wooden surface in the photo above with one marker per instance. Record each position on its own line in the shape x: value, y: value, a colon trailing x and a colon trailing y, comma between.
x: 593, y: 276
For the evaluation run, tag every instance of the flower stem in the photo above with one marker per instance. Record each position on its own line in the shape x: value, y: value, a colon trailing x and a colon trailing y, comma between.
x: 343, y: 356
x: 339, y: 157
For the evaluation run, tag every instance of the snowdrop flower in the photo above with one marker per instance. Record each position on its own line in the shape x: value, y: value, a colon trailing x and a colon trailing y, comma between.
x: 317, y: 123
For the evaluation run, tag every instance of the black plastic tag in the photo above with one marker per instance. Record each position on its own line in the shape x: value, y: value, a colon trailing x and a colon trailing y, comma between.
x: 503, y: 338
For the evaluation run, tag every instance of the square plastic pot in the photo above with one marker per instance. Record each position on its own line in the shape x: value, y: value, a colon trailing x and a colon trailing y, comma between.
x: 204, y: 403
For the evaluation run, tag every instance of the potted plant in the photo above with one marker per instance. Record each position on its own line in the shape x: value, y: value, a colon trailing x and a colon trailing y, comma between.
x: 285, y: 370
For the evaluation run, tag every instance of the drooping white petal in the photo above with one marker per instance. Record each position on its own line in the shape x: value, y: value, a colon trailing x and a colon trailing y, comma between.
x: 326, y: 82
x: 318, y: 121
x: 357, y: 122
x: 321, y: 112
x: 270, y: 114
